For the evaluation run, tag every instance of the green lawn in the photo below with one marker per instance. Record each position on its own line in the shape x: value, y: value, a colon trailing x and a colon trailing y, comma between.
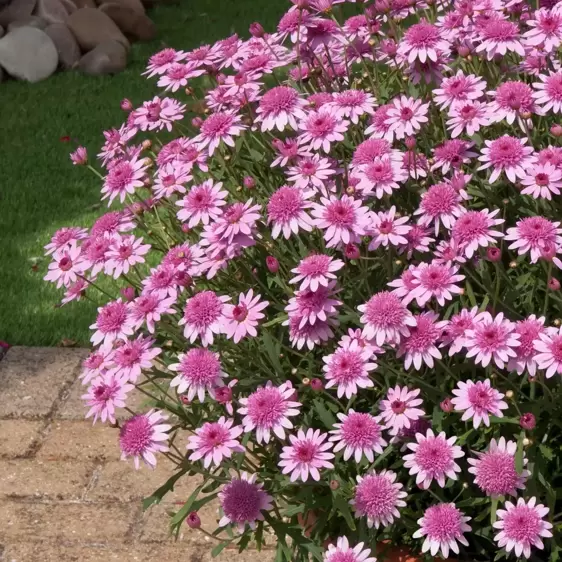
x: 41, y: 191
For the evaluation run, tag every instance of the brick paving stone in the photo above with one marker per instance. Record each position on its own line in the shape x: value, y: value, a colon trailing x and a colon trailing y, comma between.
x: 196, y: 553
x: 17, y: 436
x: 44, y: 479
x: 65, y: 522
x: 80, y: 440
x: 31, y: 379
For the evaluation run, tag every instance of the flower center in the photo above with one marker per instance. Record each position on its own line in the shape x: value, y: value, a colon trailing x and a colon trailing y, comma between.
x: 398, y: 406
x: 240, y: 312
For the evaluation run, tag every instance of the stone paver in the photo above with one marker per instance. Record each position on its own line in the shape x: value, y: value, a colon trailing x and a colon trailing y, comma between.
x: 17, y: 437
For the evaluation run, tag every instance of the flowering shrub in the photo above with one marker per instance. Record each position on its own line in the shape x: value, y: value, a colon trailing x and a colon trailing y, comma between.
x: 331, y: 266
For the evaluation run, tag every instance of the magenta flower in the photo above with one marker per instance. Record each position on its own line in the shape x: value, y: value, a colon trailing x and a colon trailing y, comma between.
x: 149, y: 308
x: 452, y: 154
x: 406, y: 116
x: 381, y: 176
x: 75, y: 291
x: 112, y: 323
x: 443, y: 526
x: 306, y: 455
x: 311, y: 172
x: 313, y: 306
x: 378, y: 497
x: 203, y: 316
x: 535, y: 235
x: 96, y: 364
x: 359, y: 435
x: 238, y: 221
x: 241, y: 319
x: 348, y: 369
x: 214, y: 441
x: 202, y: 204
x: 124, y: 178
x: 320, y: 128
x: 420, y: 346
x: 342, y: 552
x: 178, y: 75
x: 316, y: 270
x: 511, y: 99
x: 171, y: 178
x: 387, y: 229
x: 434, y: 280
x: 457, y: 89
x: 478, y: 400
x: 79, y: 157
x: 66, y: 266
x: 343, y: 220
x: 268, y: 409
x: 352, y: 104
x: 542, y: 181
x: 279, y: 107
x: 491, y: 339
x: 498, y: 37
x: 495, y: 472
x: 132, y: 357
x: 286, y: 210
x: 433, y: 458
x: 142, y: 436
x: 106, y: 393
x: 441, y: 204
x: 199, y: 372
x: 548, y: 355
x: 64, y: 238
x: 507, y: 154
x: 549, y: 92
x: 160, y: 62
x: 522, y: 526
x: 423, y: 41
x: 243, y: 501
x: 400, y: 408
x: 546, y: 31
x: 301, y: 334
x: 158, y: 114
x: 468, y: 117
x: 124, y: 253
x: 529, y: 330
x: 219, y: 127
x: 474, y: 229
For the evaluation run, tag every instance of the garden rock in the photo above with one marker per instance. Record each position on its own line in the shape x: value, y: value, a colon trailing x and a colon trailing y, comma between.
x: 65, y: 43
x: 133, y: 24
x: 29, y: 21
x: 16, y: 10
x: 1, y: 31
x: 29, y: 54
x: 69, y: 6
x: 51, y: 10
x: 84, y: 3
x: 109, y: 57
x: 92, y: 27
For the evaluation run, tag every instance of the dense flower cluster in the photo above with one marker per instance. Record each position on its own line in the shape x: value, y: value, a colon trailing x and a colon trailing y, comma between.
x: 337, y: 280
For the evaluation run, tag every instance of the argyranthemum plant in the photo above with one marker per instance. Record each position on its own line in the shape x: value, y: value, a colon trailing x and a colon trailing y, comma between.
x: 330, y: 263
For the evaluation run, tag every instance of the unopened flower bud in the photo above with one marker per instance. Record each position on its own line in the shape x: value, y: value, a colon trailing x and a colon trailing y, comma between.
x: 554, y: 284
x: 137, y: 208
x: 513, y: 264
x: 350, y: 190
x: 272, y: 264
x: 509, y: 394
x: 410, y: 143
x: 334, y: 484
x: 556, y: 130
x: 526, y: 442
x: 80, y: 156
x: 197, y: 122
x: 528, y: 421
x: 447, y: 405
x: 465, y: 485
x: 294, y: 371
x: 249, y: 182
x: 557, y: 322
x: 128, y: 293
x: 463, y: 51
x: 316, y: 385
x: 188, y: 91
x: 352, y: 252
x: 193, y: 520
x: 184, y: 399
x: 185, y: 228
x: 223, y: 394
x: 306, y: 381
x: 126, y: 105
x: 493, y: 254
x: 146, y: 144
x: 256, y: 29
x: 525, y: 114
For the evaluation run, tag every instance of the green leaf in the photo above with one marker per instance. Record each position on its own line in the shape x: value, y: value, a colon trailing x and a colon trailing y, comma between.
x: 272, y: 351
x: 178, y: 518
x: 325, y: 415
x: 219, y: 548
x: 470, y: 293
x: 257, y: 156
x: 493, y: 516
x: 276, y: 320
x: 437, y: 418
x: 343, y: 507
x: 495, y: 420
x: 547, y: 452
x: 519, y: 453
x: 157, y: 496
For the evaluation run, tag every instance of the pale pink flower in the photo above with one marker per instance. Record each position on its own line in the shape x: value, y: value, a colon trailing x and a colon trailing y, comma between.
x: 142, y: 436
x: 420, y: 346
x: 363, y: 342
x: 387, y: 229
x: 243, y: 502
x: 160, y: 62
x: 112, y: 223
x: 352, y: 104
x: 403, y: 285
x: 372, y: 150
x: 378, y: 497
x: 440, y: 204
x: 96, y: 364
x: 406, y: 116
x: 459, y: 88
x: 199, y: 372
x: 546, y: 31
x: 434, y: 280
x: 423, y: 41
x: 549, y: 94
x: 171, y: 178
x: 399, y: 409
x: 268, y: 410
x: 443, y: 526
x: 359, y: 435
x: 280, y: 106
x: 202, y: 204
x: 491, y: 338
x: 535, y: 235
x: 203, y: 316
x: 498, y: 37
x: 321, y: 128
x: 456, y: 329
x: 219, y: 127
x: 313, y: 306
x: 381, y: 176
x: 183, y: 258
x: 343, y: 220
x: 474, y: 229
x: 495, y: 472
x: 507, y: 154
x: 149, y: 308
x: 66, y: 266
x: 478, y: 400
x: 433, y: 458
x: 238, y: 220
x: 132, y: 357
x: 294, y: 24
x: 124, y: 253
x: 307, y: 454
x: 348, y: 369
x: 418, y: 241
x: 64, y: 238
x: 386, y: 318
x: 313, y: 171
x: 184, y: 151
x: 522, y: 526
x: 468, y: 117
x: 309, y: 334
x: 124, y: 178
x: 548, y: 355
x: 75, y: 291
x: 287, y: 151
x: 214, y: 441
x: 511, y: 99
x: 158, y: 114
x: 113, y: 322
x: 529, y: 330
x: 177, y: 75
x: 542, y: 180
x: 452, y: 154
x: 379, y: 126
x: 106, y: 393
x: 115, y: 143
x: 286, y: 209
x: 241, y: 319
x: 162, y: 282
x: 316, y: 270
x: 342, y: 552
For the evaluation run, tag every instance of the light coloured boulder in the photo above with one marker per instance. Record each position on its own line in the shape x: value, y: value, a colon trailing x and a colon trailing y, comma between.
x: 16, y: 10
x: 66, y: 44
x: 135, y: 5
x: 52, y: 11
x: 84, y: 4
x: 29, y: 21
x: 109, y: 57
x: 92, y: 27
x: 29, y: 54
x: 133, y: 24
x: 69, y: 6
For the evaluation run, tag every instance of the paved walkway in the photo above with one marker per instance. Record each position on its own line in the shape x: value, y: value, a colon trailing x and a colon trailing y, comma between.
x: 64, y: 494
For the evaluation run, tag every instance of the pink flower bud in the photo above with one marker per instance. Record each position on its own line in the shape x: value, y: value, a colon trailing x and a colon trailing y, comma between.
x: 556, y: 130
x: 4, y: 344
x: 256, y: 29
x: 334, y: 485
x: 193, y: 520
x: 223, y: 394
x: 183, y: 279
x: 447, y: 405
x: 463, y: 51
x: 197, y: 122
x: 126, y: 105
x: 80, y: 156
x: 221, y: 78
x: 185, y: 228
x: 554, y: 284
x: 493, y: 254
x: 352, y: 252
x: 249, y: 182
x: 410, y: 143
x: 528, y: 421
x: 316, y: 385
x: 128, y: 293
x: 184, y: 399
x: 272, y: 264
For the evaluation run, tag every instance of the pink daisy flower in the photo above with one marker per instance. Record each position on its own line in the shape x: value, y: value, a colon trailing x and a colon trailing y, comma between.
x: 507, y: 154
x: 400, y: 408
x: 75, y: 292
x: 287, y: 151
x: 423, y: 41
x: 542, y: 180
x: 124, y: 253
x: 149, y: 308
x: 203, y: 316
x: 106, y: 393
x: 348, y: 369
x: 96, y: 364
x: 491, y: 339
x: 112, y: 223
x: 378, y: 497
x: 418, y: 241
x: 307, y: 454
x: 342, y: 552
x: 124, y: 178
x: 498, y: 37
x: 381, y: 176
x: 199, y: 372
x: 158, y: 114
x: 144, y: 435
x: 279, y: 107
x: 202, y: 204
x: 352, y: 104
x: 177, y: 75
x: 343, y: 220
x: 548, y: 347
x: 313, y: 171
x: 379, y: 126
x: 406, y: 116
x: 546, y: 31
x: 371, y: 150
x: 359, y: 435
x: 386, y: 318
x: 511, y: 99
x: 459, y: 88
x: 316, y: 270
x: 473, y: 229
x: 456, y: 329
x: 440, y: 204
x: 494, y: 470
x: 321, y: 128
x: 529, y: 330
x: 243, y: 502
x: 535, y: 235
x: 478, y: 400
x: 301, y: 334
x: 313, y: 306
x: 404, y: 285
x: 160, y: 62
x: 183, y: 257
x: 241, y: 319
x: 468, y: 117
x: 387, y: 229
x: 238, y: 220
x: 452, y: 154
x: 134, y: 355
x: 214, y: 441
x: 64, y: 238
x: 113, y: 322
x: 443, y: 526
x: 219, y: 127
x: 433, y: 458
x: 171, y: 178
x: 268, y: 410
x: 522, y: 526
x: 66, y: 266
x: 434, y: 280
x: 420, y: 346
x: 286, y: 209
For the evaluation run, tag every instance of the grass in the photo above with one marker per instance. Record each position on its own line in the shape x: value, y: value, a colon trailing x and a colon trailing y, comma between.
x: 41, y: 191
